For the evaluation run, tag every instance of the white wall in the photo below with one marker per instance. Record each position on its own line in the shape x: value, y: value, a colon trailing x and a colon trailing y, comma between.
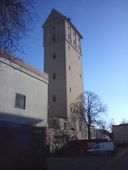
x: 35, y: 88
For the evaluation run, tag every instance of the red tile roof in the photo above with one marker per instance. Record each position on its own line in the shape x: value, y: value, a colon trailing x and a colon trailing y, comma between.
x: 21, y: 63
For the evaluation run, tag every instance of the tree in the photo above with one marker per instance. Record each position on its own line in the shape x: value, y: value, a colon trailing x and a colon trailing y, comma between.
x: 88, y: 107
x: 15, y: 18
x: 111, y: 123
x: 124, y: 121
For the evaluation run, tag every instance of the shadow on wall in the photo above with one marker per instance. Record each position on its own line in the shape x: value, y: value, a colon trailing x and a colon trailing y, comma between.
x: 22, y: 146
x: 19, y: 120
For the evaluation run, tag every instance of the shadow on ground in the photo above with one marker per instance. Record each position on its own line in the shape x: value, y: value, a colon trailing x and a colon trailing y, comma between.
x: 22, y: 148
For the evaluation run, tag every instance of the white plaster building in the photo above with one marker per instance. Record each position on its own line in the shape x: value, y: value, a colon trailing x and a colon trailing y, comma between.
x: 23, y: 92
x: 63, y: 63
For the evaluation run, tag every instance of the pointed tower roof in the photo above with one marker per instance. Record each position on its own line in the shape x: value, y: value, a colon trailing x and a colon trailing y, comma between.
x: 56, y: 15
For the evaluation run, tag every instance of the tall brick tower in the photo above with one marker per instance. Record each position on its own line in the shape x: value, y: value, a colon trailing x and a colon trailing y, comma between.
x: 63, y: 63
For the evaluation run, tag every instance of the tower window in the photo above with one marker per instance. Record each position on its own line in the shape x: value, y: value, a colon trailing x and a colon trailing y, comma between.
x: 80, y: 75
x: 53, y: 38
x: 54, y: 123
x: 65, y: 125
x: 54, y: 98
x: 79, y: 48
x: 69, y: 68
x: 68, y: 36
x: 70, y: 89
x: 54, y: 56
x: 74, y: 42
x: 54, y: 76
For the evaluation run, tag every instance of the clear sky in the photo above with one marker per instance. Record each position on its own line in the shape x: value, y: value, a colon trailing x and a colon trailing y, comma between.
x: 104, y: 26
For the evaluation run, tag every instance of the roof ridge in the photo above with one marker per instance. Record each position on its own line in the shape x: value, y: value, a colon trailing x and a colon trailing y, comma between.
x: 21, y: 63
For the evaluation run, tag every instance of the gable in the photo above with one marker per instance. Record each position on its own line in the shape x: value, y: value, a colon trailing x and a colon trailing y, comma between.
x: 53, y: 16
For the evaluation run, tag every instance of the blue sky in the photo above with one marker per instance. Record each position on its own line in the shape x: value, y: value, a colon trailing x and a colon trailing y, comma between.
x: 104, y: 26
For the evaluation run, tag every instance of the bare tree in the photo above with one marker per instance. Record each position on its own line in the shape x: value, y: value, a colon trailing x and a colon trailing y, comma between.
x: 102, y: 124
x: 111, y: 123
x: 124, y: 121
x: 89, y: 107
x: 15, y: 18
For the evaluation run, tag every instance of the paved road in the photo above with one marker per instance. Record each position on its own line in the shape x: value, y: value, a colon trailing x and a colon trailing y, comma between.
x: 118, y: 162
x: 81, y: 163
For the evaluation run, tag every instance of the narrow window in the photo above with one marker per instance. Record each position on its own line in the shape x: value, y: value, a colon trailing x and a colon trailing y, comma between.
x: 69, y: 68
x: 70, y: 89
x: 54, y: 123
x: 74, y: 42
x: 20, y: 101
x: 53, y: 38
x: 68, y: 36
x: 65, y: 125
x: 79, y: 48
x: 80, y: 75
x: 54, y: 76
x: 54, y: 56
x: 54, y: 98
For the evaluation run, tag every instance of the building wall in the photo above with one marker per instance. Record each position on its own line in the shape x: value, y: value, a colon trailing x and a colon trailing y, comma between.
x: 56, y: 86
x: 16, y: 79
x: 54, y: 63
x: 74, y: 74
x: 72, y: 36
x: 120, y: 133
